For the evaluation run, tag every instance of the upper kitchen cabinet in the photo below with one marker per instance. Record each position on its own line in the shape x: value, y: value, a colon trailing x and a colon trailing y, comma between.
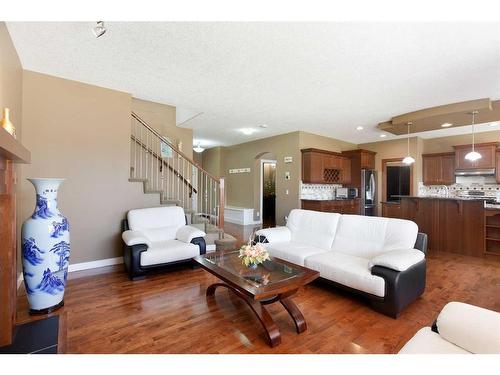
x: 363, y: 159
x: 438, y: 169
x: 488, y: 156
x: 498, y: 166
x: 325, y: 167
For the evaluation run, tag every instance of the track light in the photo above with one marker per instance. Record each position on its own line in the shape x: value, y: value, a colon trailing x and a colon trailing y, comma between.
x: 99, y: 30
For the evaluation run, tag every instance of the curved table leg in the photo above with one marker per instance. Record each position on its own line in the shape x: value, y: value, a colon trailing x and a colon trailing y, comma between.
x: 272, y: 331
x: 293, y: 310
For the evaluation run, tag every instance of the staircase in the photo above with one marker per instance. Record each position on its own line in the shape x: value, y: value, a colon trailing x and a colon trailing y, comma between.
x: 178, y: 180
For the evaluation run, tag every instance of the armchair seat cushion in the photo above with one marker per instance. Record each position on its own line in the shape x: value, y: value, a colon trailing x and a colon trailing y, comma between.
x: 398, y: 260
x: 348, y: 270
x: 292, y: 252
x: 168, y: 251
x: 427, y: 341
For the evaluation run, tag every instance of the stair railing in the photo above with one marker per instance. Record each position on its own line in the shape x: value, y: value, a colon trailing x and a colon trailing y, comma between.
x: 165, y: 170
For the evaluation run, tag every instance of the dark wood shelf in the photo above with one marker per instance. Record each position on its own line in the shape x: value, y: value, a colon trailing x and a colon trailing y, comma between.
x: 492, y: 239
x: 492, y: 226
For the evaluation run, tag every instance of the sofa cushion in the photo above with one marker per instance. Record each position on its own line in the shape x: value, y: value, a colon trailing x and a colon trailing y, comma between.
x: 168, y: 251
x: 313, y: 228
x: 426, y: 341
x: 156, y: 217
x: 347, y: 270
x: 292, y: 252
x: 398, y: 260
x: 368, y: 236
x: 473, y: 328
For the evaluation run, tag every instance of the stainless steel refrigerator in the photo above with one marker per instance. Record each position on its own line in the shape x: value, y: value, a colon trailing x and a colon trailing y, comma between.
x: 368, y: 193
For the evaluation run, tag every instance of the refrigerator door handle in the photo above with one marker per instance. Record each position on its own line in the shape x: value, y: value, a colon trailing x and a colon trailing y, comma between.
x: 372, y: 187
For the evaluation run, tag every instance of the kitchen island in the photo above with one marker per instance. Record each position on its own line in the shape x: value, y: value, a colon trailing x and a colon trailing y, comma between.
x: 341, y: 206
x: 453, y: 224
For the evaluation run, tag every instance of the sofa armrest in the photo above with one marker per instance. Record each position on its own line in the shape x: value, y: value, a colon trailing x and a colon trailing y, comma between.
x: 472, y: 328
x: 421, y: 242
x: 133, y: 237
x: 401, y: 287
x: 278, y: 234
x: 398, y: 260
x: 186, y: 233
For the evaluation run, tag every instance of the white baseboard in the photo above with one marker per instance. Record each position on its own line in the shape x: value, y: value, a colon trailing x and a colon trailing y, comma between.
x: 84, y: 266
x: 95, y: 264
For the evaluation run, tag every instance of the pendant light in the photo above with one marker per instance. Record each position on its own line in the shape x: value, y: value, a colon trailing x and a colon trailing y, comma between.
x: 408, y: 159
x: 473, y: 155
x: 198, y: 149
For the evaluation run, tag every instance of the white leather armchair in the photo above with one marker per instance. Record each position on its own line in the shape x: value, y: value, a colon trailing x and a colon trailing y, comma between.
x: 158, y: 237
x: 460, y: 328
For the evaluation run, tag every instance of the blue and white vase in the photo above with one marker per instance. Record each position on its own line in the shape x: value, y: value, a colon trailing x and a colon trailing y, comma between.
x: 45, y: 249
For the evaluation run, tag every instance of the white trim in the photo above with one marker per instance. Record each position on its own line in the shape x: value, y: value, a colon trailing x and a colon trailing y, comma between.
x: 95, y: 264
x: 262, y: 161
x: 83, y: 266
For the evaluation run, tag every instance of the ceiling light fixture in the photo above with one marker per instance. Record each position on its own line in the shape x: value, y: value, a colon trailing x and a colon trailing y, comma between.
x: 473, y: 155
x: 247, y: 131
x: 408, y: 158
x: 99, y: 30
x: 446, y: 125
x: 359, y: 128
x: 263, y: 126
x: 198, y: 149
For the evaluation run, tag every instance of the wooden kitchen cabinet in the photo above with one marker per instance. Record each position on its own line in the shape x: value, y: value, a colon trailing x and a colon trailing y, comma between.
x: 438, y: 169
x: 347, y: 206
x: 392, y: 210
x: 498, y: 166
x: 325, y: 167
x: 488, y: 156
x: 451, y: 225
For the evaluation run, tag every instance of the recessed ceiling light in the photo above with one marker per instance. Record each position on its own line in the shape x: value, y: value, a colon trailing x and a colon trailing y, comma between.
x: 446, y: 125
x: 383, y: 135
x: 359, y: 128
x: 247, y: 131
x: 263, y: 126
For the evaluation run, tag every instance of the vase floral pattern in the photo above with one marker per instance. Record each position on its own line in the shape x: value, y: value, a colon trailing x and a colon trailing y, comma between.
x: 45, y: 248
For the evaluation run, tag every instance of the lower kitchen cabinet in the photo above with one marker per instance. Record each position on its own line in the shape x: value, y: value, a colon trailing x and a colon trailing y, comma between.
x: 347, y: 206
x: 392, y: 210
x: 455, y: 226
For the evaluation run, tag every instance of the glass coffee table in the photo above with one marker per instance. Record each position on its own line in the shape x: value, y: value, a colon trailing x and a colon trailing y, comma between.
x: 274, y: 280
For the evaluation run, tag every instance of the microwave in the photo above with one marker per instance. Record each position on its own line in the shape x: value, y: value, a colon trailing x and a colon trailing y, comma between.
x: 346, y: 193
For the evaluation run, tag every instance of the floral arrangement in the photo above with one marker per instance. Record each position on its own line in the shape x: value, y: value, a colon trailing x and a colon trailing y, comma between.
x: 253, y: 255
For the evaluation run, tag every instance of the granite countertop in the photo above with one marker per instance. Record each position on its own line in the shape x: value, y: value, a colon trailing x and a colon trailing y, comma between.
x: 450, y: 197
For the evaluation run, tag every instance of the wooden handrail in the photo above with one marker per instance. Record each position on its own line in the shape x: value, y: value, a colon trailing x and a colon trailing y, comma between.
x: 172, y: 169
x: 134, y: 115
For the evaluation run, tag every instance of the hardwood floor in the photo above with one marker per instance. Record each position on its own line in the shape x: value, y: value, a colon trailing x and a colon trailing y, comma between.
x: 105, y: 312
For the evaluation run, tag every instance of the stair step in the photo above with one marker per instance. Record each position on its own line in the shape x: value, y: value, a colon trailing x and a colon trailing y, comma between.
x: 171, y: 201
x: 153, y: 191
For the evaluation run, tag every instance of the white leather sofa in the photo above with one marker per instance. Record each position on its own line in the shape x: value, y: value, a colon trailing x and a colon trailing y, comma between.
x: 460, y: 328
x: 158, y: 237
x: 380, y: 258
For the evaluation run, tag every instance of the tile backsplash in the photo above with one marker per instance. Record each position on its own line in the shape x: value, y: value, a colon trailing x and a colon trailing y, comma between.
x: 486, y: 184
x: 318, y: 191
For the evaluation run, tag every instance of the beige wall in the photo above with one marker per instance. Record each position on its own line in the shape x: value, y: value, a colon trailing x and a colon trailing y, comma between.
x: 445, y: 144
x: 11, y: 84
x: 309, y: 140
x: 243, y: 189
x: 212, y: 159
x: 81, y: 132
x: 162, y: 118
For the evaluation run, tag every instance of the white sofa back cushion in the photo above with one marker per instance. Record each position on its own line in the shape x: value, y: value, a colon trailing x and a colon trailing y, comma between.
x: 313, y: 228
x: 368, y: 236
x: 157, y: 223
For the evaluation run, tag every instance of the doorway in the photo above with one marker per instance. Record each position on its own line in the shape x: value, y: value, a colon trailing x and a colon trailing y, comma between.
x: 268, y: 193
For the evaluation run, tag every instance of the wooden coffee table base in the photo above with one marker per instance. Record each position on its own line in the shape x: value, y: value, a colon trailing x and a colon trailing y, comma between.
x: 272, y: 331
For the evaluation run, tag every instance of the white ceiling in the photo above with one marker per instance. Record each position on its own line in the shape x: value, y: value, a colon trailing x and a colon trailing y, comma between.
x: 325, y: 78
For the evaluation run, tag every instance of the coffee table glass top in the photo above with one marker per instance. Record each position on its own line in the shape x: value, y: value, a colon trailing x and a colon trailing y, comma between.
x: 266, y: 274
